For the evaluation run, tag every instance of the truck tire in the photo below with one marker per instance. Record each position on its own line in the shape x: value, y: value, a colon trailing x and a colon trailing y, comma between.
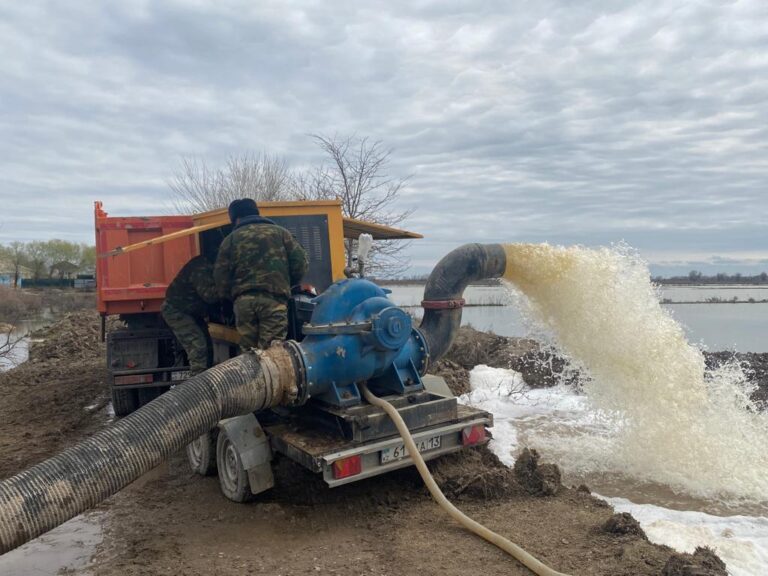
x: 146, y: 395
x: 124, y: 401
x: 233, y: 479
x: 201, y: 454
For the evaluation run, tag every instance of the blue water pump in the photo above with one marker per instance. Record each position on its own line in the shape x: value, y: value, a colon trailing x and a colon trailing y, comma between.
x: 356, y: 334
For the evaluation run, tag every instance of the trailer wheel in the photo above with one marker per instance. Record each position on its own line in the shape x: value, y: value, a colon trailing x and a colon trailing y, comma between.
x: 233, y: 479
x: 124, y: 401
x: 201, y: 454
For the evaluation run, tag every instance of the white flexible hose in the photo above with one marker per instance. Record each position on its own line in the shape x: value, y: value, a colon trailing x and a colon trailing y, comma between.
x: 536, y: 566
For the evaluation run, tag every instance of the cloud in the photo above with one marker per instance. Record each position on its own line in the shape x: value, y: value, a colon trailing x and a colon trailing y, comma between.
x: 563, y: 122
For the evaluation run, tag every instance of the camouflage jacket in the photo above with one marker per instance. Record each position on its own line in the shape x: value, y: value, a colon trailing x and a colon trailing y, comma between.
x: 259, y: 256
x: 193, y: 288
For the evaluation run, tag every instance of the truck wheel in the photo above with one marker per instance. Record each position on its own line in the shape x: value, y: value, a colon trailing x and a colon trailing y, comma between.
x: 233, y: 480
x: 146, y: 395
x: 124, y: 401
x: 201, y: 454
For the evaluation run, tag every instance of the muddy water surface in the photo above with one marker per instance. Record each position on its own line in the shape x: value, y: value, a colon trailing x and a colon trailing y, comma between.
x: 66, y: 548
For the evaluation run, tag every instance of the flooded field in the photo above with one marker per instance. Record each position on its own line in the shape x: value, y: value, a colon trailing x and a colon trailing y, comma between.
x: 15, y: 349
x: 740, y: 326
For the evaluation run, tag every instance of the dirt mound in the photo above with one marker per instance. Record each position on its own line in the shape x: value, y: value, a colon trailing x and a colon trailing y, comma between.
x: 536, y: 479
x: 472, y: 347
x: 474, y: 475
x: 74, y: 338
x: 455, y: 375
x: 55, y: 398
x: 703, y: 562
x: 623, y: 524
x: 539, y: 366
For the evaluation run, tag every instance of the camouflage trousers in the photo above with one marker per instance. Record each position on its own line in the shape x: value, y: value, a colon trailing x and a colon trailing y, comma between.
x: 260, y: 320
x: 192, y: 333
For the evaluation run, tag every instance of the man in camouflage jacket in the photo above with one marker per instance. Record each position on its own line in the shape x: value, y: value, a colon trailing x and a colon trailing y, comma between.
x: 186, y: 307
x: 256, y: 267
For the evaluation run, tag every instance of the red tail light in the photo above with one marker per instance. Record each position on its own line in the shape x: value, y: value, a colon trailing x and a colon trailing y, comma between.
x: 134, y: 379
x: 473, y: 434
x: 347, y: 467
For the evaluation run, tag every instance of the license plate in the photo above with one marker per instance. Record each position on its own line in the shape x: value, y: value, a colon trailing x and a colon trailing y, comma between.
x: 400, y: 451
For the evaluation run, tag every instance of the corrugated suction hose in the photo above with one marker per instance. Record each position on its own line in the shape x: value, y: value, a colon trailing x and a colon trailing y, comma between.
x: 526, y: 559
x: 52, y: 492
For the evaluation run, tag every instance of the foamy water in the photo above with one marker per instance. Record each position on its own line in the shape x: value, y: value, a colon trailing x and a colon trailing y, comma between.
x: 524, y: 416
x: 671, y: 422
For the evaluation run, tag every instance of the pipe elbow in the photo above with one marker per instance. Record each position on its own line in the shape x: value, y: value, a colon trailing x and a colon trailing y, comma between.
x: 445, y: 288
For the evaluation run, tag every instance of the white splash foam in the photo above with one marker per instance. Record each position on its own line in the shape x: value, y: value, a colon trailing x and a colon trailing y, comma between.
x: 529, y: 415
x: 740, y: 541
x: 669, y: 423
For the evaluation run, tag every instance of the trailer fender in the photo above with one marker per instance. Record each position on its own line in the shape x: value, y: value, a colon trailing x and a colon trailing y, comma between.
x: 254, y: 450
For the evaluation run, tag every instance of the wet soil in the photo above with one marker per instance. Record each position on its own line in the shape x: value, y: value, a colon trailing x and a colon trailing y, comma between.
x: 171, y: 521
x: 55, y: 398
x: 703, y: 562
x: 539, y: 366
x: 623, y: 523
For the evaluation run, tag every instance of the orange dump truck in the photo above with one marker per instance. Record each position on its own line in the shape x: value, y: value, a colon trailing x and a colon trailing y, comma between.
x: 140, y: 255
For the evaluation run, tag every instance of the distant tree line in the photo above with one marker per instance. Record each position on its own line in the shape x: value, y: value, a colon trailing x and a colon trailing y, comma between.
x: 696, y: 277
x: 46, y: 259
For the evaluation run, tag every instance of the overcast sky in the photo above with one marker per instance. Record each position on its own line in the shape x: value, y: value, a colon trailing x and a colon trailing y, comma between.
x: 569, y: 122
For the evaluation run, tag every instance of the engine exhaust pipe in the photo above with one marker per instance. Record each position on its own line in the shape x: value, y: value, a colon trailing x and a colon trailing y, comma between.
x: 443, y: 294
x: 60, y: 488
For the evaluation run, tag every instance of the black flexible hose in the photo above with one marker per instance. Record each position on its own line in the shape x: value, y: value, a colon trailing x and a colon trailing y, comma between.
x: 52, y: 492
x: 446, y: 283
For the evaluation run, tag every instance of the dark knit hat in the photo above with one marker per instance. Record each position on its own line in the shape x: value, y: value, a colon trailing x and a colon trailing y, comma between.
x: 242, y: 208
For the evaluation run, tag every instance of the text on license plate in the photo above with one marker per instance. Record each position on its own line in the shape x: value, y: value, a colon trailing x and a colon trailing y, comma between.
x: 400, y: 451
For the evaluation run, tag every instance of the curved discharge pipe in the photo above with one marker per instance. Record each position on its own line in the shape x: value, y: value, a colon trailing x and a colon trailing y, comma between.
x: 60, y: 488
x: 445, y: 287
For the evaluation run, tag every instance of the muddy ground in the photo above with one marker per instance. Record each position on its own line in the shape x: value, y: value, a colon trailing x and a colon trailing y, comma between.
x: 173, y: 522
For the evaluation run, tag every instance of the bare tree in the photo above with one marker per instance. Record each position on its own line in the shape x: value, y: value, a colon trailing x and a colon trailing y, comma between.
x: 10, y: 343
x: 198, y: 188
x: 356, y: 173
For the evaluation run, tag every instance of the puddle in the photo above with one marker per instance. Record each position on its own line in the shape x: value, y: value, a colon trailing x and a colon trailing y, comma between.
x: 14, y: 350
x: 66, y: 548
